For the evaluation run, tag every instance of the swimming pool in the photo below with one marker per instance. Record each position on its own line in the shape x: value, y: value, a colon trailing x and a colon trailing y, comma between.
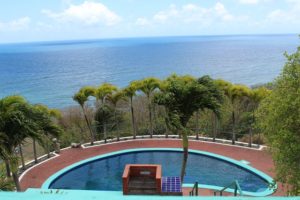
x: 210, y: 170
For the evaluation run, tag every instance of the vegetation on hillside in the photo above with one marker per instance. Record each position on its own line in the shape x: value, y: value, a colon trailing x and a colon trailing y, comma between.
x: 279, y: 119
x: 131, y: 111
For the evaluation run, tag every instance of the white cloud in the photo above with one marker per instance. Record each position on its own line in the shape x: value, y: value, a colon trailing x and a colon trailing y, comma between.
x: 190, y: 7
x: 163, y: 16
x: 87, y: 13
x: 248, y: 1
x: 142, y: 21
x: 290, y: 15
x: 15, y: 25
x: 41, y: 26
x: 222, y: 12
x: 254, y: 2
x: 191, y: 13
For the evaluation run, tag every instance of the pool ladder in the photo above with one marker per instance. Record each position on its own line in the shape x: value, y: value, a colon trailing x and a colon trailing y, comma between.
x: 237, y: 189
x: 194, y: 191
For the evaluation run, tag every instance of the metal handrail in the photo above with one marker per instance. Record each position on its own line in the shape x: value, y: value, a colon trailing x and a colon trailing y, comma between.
x: 194, y: 190
x: 237, y: 189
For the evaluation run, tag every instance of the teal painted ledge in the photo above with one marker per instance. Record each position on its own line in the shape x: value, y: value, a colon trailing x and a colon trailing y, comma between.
x: 43, y: 194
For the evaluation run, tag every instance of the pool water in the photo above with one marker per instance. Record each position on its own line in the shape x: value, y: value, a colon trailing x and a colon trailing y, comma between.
x: 106, y: 173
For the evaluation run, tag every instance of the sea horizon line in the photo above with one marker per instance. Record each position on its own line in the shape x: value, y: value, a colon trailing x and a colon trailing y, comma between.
x: 142, y: 37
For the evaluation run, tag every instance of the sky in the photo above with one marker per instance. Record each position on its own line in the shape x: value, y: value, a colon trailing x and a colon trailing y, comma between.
x: 47, y: 20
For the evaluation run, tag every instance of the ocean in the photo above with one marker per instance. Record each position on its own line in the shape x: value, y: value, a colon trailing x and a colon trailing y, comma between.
x: 51, y: 72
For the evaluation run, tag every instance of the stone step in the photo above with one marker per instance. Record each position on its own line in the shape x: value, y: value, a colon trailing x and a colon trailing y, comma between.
x: 142, y: 191
x: 142, y: 183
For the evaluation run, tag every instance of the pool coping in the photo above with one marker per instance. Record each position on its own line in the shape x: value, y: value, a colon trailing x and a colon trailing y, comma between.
x: 267, y: 192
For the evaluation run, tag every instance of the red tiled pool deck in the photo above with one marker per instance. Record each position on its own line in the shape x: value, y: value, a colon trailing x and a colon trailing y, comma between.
x: 36, y: 176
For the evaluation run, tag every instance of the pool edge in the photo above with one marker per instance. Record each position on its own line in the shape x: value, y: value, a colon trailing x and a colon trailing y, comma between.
x: 261, y: 174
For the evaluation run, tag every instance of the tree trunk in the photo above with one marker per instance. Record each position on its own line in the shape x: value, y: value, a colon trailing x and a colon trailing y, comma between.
x: 22, y: 157
x: 16, y: 180
x: 185, y: 145
x: 105, y: 131
x: 117, y: 125
x: 167, y: 128
x: 166, y: 123
x: 8, y: 173
x: 251, y: 131
x: 48, y: 149
x: 250, y: 137
x: 89, y: 126
x: 197, y: 124
x: 150, y: 118
x: 132, y: 119
x: 215, y: 124
x: 154, y: 116
x: 167, y: 133
x: 34, y: 150
x: 233, y: 128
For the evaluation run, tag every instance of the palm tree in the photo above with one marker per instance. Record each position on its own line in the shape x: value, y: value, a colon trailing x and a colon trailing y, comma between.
x: 6, y: 104
x: 81, y: 97
x: 147, y: 86
x: 114, y: 98
x: 255, y: 97
x: 17, y: 123
x: 130, y: 91
x: 19, y: 120
x: 235, y: 94
x: 47, y: 127
x: 183, y: 96
x: 102, y: 92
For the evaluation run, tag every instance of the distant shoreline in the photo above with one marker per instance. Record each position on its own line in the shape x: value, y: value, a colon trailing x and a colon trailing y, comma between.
x: 141, y: 37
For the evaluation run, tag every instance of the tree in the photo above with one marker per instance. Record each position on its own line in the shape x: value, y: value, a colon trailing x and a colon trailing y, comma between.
x: 20, y: 120
x: 102, y: 92
x: 130, y: 91
x: 17, y: 123
x: 184, y: 95
x: 48, y: 130
x: 81, y: 97
x: 114, y: 98
x: 236, y: 94
x: 279, y: 121
x: 255, y: 97
x: 148, y: 86
x: 104, y: 116
x: 7, y: 104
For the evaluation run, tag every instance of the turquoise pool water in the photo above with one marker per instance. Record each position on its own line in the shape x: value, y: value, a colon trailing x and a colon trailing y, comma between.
x: 105, y: 173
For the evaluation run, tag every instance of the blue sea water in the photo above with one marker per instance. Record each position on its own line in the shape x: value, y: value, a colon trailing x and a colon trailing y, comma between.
x: 106, y: 174
x: 51, y: 72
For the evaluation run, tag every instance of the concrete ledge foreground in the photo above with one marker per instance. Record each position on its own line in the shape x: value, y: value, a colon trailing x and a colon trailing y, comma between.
x: 42, y: 194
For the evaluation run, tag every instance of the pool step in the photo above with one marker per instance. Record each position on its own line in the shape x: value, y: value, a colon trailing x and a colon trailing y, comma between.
x: 142, y: 192
x: 142, y: 186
